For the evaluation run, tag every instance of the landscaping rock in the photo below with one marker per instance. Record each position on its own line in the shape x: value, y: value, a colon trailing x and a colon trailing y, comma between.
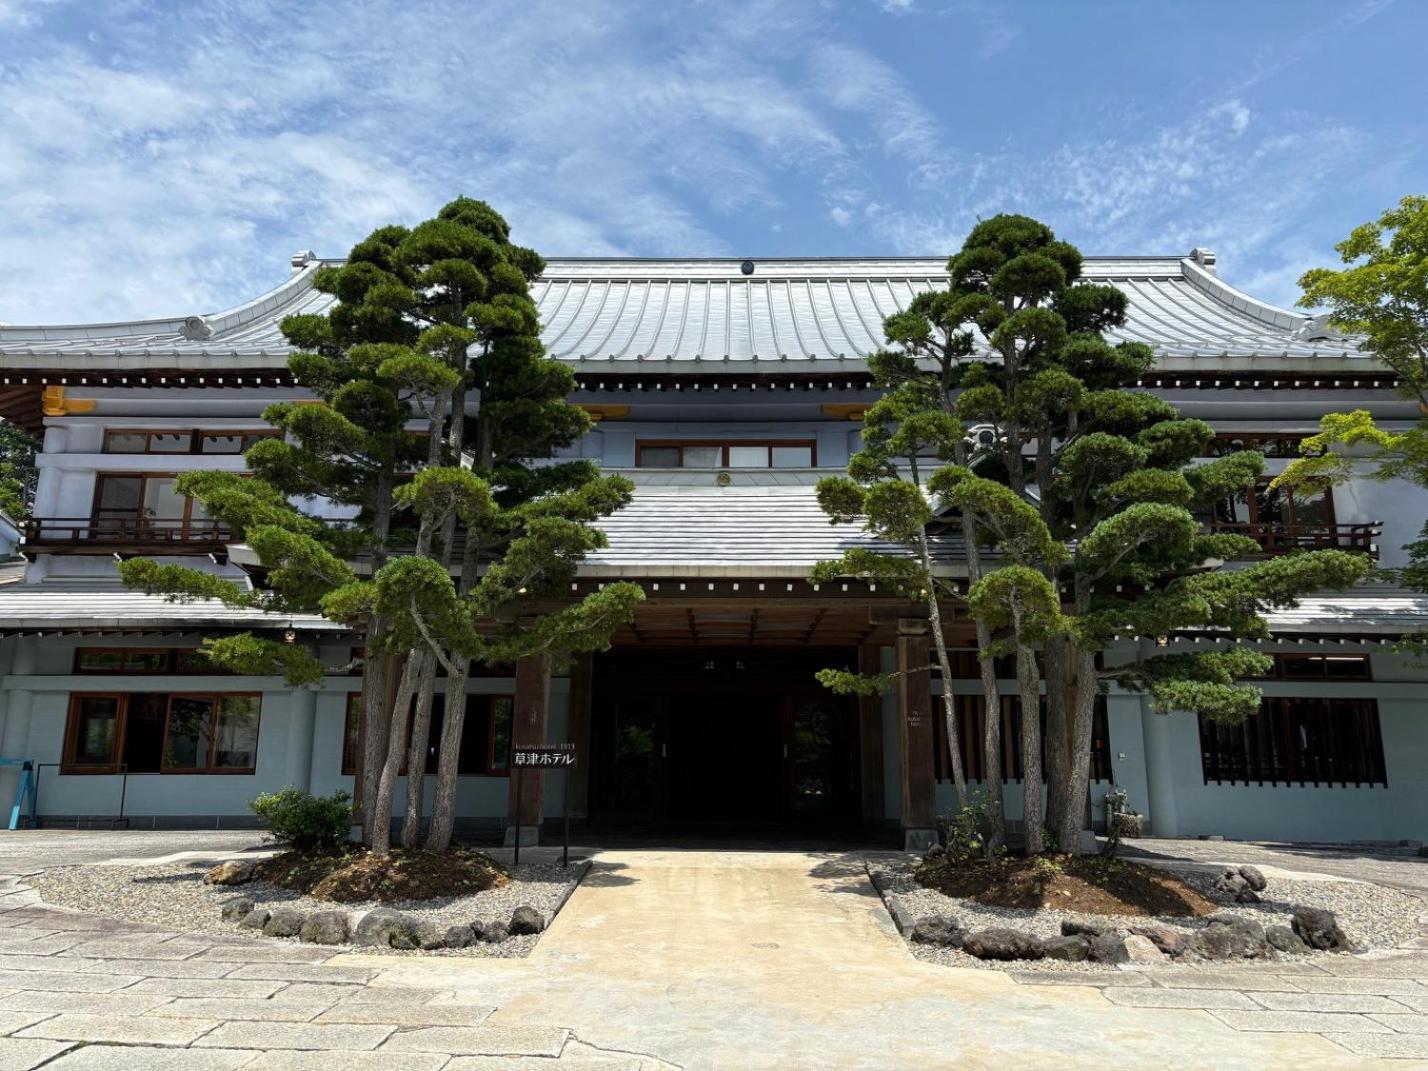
x: 285, y: 922
x: 1254, y: 877
x: 525, y: 919
x: 1229, y: 884
x: 998, y: 943
x: 378, y: 926
x: 1075, y: 948
x: 1283, y: 939
x: 1110, y: 948
x: 255, y: 919
x: 324, y: 928
x: 935, y: 852
x: 1318, y: 928
x: 1168, y: 940
x: 1072, y: 928
x: 428, y: 936
x: 493, y: 933
x: 938, y: 931
x: 233, y: 872
x: 458, y: 937
x: 1231, y: 937
x: 1142, y: 950
x: 234, y: 910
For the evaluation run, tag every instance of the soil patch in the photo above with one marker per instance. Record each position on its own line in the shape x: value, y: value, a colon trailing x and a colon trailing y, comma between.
x: 354, y: 875
x: 1090, y: 884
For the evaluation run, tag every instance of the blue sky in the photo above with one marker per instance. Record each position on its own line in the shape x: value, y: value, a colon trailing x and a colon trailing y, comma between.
x: 161, y: 159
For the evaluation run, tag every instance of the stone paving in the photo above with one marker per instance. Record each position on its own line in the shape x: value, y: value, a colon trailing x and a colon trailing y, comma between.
x: 660, y: 960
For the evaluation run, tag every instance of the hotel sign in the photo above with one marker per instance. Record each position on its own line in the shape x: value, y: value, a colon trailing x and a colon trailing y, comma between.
x: 554, y: 756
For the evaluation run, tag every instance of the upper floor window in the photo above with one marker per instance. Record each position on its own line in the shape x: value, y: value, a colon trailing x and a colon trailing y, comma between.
x: 1268, y: 443
x: 152, y: 660
x: 731, y: 454
x: 182, y: 440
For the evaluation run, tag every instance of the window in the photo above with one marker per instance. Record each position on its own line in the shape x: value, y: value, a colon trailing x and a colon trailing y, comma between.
x: 1297, y: 740
x: 971, y: 728
x: 485, y: 735
x: 153, y: 733
x: 1268, y: 443
x: 1323, y: 667
x: 734, y: 454
x: 183, y: 441
x: 143, y: 660
x: 1279, y: 518
x: 211, y: 732
x: 148, y: 507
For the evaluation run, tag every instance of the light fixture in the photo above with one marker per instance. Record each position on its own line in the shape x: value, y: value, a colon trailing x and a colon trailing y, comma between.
x: 1162, y: 641
x: 290, y: 636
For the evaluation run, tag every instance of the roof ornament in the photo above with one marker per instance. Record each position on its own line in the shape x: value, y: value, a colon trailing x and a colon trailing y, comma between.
x: 1317, y: 328
x: 1204, y: 257
x: 196, y: 329
x: 302, y: 258
x: 747, y: 267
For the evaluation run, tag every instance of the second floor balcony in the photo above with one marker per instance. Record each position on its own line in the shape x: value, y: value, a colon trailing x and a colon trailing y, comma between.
x: 1279, y: 537
x: 126, y: 536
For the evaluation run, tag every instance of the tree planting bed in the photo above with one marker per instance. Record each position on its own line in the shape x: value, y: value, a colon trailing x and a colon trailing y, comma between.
x: 175, y: 896
x: 1040, y: 912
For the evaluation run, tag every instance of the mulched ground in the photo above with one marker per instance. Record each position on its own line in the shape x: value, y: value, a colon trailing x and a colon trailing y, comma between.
x: 354, y: 875
x: 1088, y: 884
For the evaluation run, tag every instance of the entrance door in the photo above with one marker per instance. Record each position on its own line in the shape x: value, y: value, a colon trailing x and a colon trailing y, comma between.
x: 716, y: 737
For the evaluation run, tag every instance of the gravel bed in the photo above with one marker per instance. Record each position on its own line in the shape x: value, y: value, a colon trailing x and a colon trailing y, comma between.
x: 174, y: 897
x: 1372, y: 916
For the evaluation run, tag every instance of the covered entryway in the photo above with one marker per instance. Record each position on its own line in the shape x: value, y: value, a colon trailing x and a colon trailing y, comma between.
x: 721, y: 737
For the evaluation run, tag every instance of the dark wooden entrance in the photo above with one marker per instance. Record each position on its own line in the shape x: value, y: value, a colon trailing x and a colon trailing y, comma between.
x: 721, y: 736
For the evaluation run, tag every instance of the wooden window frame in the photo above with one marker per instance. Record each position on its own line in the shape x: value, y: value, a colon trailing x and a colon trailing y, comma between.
x: 80, y: 671
x: 724, y: 445
x: 1219, y: 446
x: 195, y: 440
x: 213, y: 736
x: 71, y: 733
x: 186, y: 523
x: 1266, y: 735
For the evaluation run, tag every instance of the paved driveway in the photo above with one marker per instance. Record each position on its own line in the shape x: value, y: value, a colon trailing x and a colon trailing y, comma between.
x: 661, y: 959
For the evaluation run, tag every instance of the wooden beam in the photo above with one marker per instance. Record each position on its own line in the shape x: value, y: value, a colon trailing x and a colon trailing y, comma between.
x: 528, y: 729
x: 577, y: 781
x: 915, y: 738
x: 870, y: 740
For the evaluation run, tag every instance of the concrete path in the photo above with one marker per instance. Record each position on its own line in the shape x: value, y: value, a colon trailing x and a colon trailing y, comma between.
x: 784, y: 960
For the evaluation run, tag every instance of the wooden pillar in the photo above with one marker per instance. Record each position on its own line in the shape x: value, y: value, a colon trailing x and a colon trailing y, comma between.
x: 914, y: 708
x: 528, y: 730
x: 870, y: 739
x: 578, y: 783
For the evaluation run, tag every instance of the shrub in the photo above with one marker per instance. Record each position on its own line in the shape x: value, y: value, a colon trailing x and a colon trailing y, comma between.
x: 965, y: 831
x: 303, y: 820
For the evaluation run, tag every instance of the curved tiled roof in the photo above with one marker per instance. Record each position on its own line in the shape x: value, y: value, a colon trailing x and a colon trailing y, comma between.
x: 657, y: 315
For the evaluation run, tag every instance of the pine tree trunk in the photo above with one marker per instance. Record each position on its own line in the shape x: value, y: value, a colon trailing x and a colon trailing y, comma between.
x: 949, y: 699
x: 381, y: 809
x: 1029, y: 689
x: 376, y: 718
x: 443, y: 799
x: 416, y: 750
x: 1057, y: 725
x: 1078, y: 784
x: 992, y: 746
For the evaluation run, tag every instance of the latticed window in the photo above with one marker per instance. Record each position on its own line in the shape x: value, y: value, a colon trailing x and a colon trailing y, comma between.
x: 1297, y: 740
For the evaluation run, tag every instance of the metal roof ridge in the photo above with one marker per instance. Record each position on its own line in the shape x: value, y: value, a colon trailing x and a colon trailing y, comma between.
x: 1240, y: 301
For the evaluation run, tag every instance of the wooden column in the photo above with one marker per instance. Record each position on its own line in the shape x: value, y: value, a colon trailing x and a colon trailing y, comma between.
x: 528, y: 730
x: 914, y: 708
x: 578, y: 783
x: 870, y: 740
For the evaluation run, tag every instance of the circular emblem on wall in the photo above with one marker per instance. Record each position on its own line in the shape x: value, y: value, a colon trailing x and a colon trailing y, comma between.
x: 747, y: 267
x: 723, y: 479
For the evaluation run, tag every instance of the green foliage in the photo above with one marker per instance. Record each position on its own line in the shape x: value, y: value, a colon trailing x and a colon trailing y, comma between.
x: 304, y: 821
x: 255, y: 657
x: 964, y: 832
x: 17, y: 471
x: 845, y: 682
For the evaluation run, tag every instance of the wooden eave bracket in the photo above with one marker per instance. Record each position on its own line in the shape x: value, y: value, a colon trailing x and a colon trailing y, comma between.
x: 54, y: 403
x: 605, y: 411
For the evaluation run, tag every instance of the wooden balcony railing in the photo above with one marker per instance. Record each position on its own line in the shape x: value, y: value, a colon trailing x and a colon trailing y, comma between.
x: 1276, y: 538
x: 108, y: 535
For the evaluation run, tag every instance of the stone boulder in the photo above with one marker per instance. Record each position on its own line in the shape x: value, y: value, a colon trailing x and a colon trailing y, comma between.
x: 458, y: 937
x: 255, y: 919
x: 1232, y: 885
x: 1318, y: 928
x: 285, y: 922
x: 1003, y: 944
x: 233, y: 872
x: 937, y: 931
x: 1228, y: 936
x: 1283, y: 939
x: 1074, y: 928
x: 493, y: 933
x: 1254, y: 877
x: 1142, y: 950
x: 1072, y: 948
x: 234, y: 910
x: 379, y: 926
x: 1167, y: 939
x: 324, y: 928
x: 525, y: 919
x: 429, y: 936
x: 1110, y: 948
x: 934, y: 853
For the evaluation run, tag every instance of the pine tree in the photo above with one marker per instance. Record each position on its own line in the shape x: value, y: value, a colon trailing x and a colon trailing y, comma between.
x: 425, y: 318
x: 1087, y: 492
